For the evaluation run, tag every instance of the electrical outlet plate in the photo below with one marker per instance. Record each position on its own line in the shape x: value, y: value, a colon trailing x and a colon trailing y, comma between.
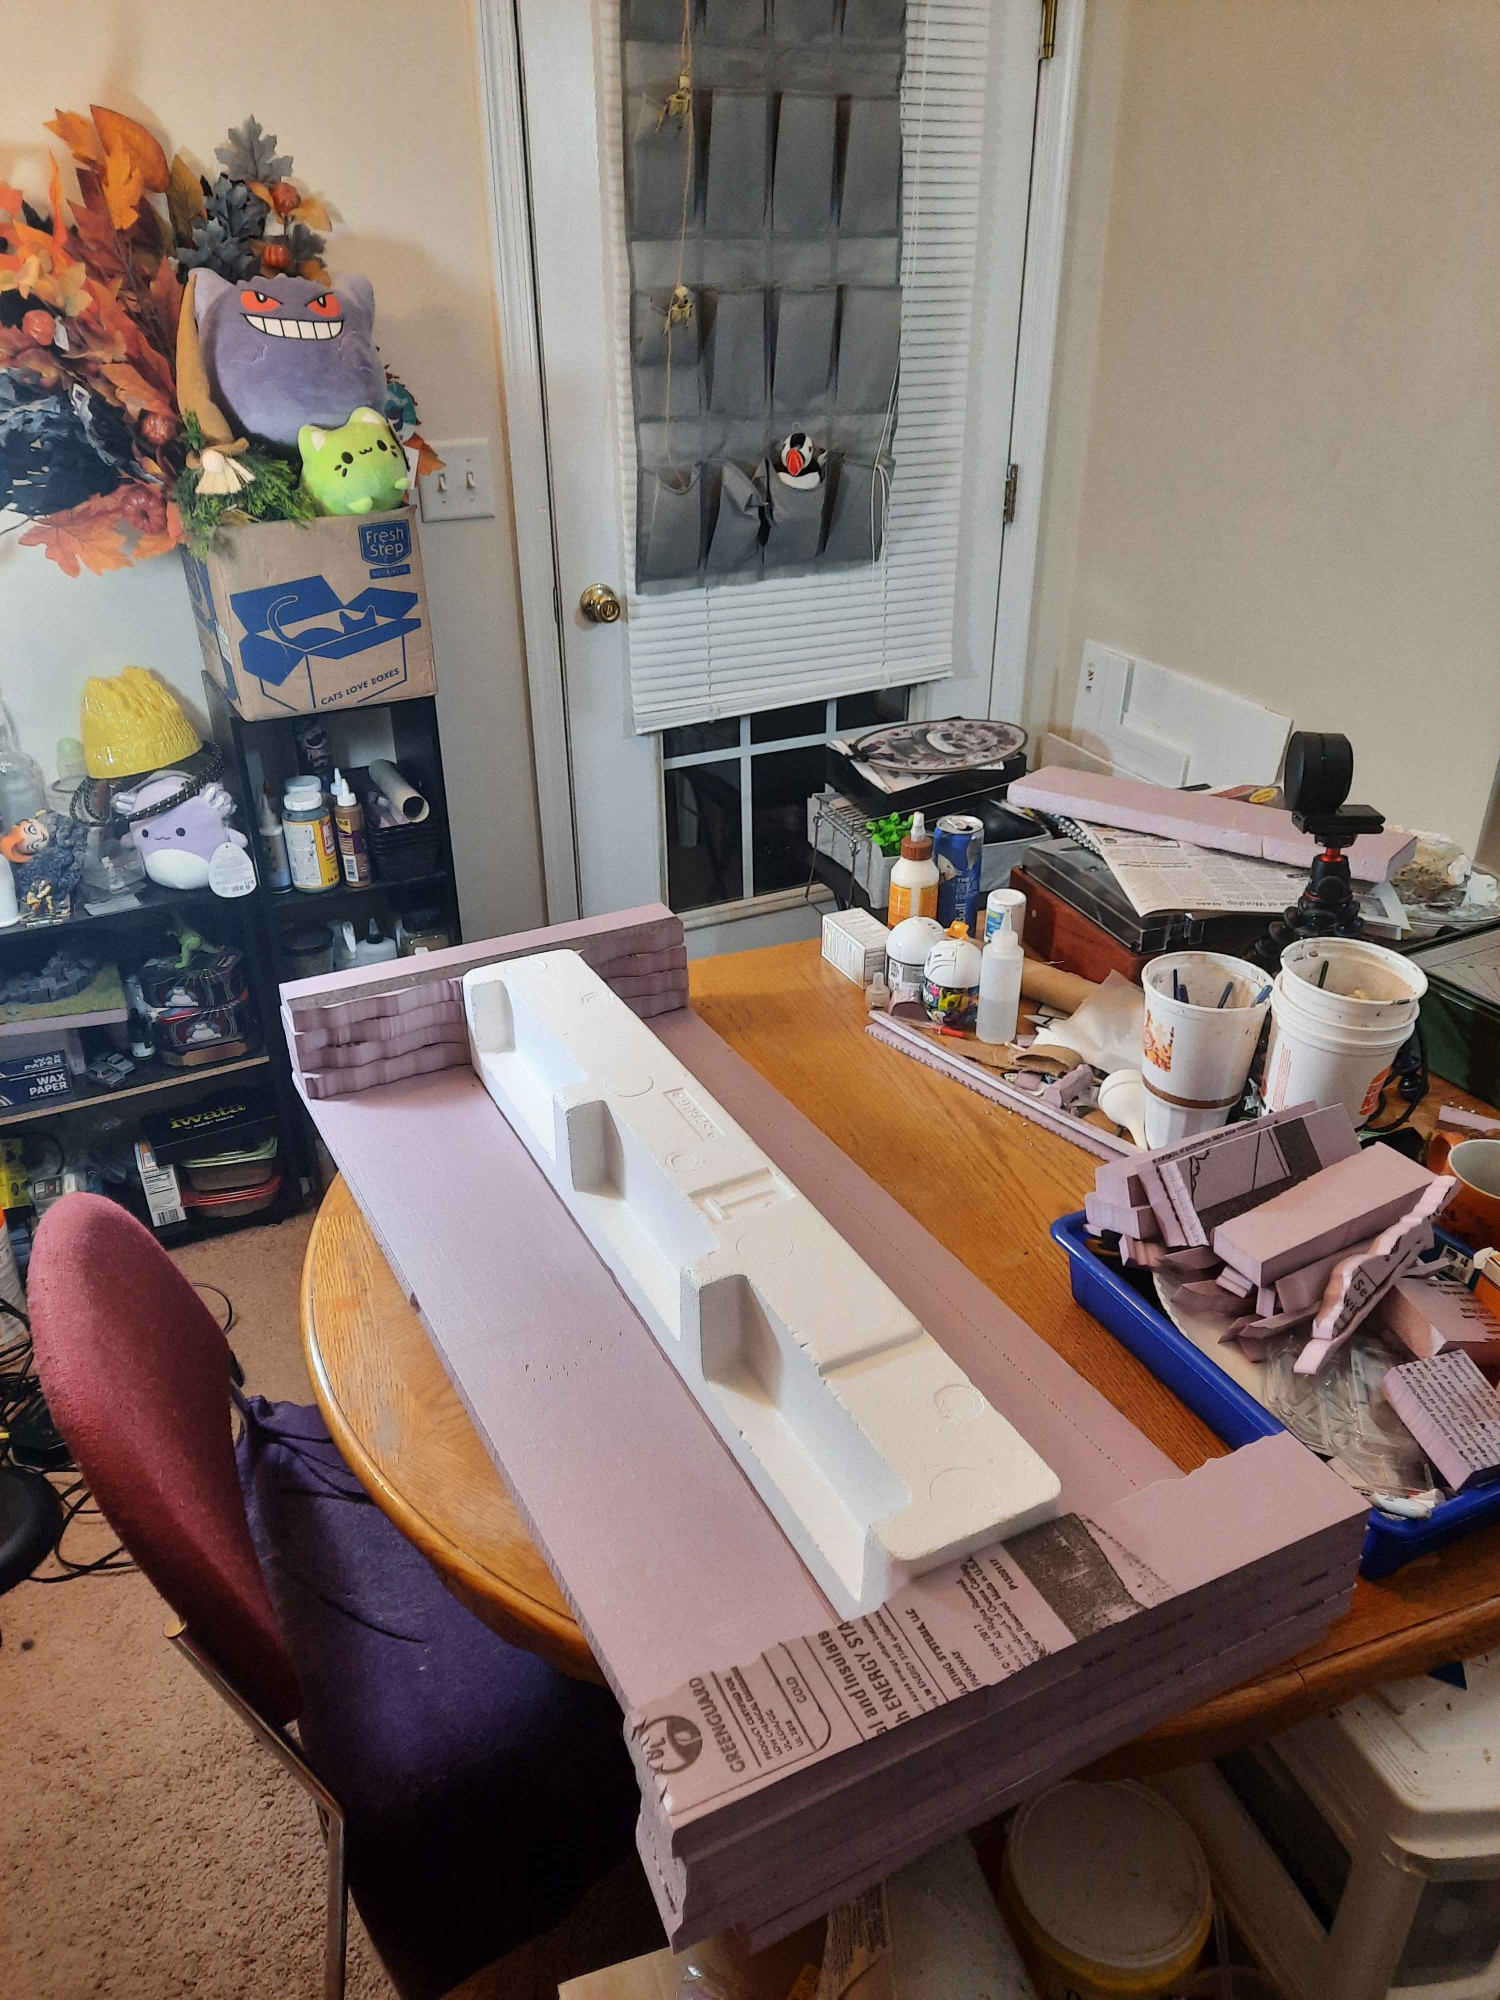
x: 465, y: 488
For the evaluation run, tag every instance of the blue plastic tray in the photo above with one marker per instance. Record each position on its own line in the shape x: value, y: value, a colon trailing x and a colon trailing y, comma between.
x: 1188, y: 1372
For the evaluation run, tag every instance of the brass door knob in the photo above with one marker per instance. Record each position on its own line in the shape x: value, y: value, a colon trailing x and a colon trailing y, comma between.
x: 599, y: 604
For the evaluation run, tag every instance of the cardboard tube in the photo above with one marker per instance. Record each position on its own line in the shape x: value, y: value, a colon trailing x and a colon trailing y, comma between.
x: 410, y: 804
x: 1065, y: 991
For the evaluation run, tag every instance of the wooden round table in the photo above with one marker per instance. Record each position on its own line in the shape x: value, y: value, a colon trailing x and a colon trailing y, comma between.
x: 400, y: 1425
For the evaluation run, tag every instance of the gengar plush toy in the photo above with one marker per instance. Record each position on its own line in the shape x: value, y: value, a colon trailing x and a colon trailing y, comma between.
x: 356, y: 469
x: 281, y: 352
x: 177, y: 837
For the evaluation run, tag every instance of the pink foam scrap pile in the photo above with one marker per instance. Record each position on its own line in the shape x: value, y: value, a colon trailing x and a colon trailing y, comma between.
x: 1284, y: 1224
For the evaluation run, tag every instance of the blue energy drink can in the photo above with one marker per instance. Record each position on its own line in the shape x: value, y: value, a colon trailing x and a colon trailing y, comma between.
x: 958, y: 848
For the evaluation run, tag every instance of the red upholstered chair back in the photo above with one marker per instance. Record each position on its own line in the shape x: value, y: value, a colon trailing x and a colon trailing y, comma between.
x: 136, y: 1374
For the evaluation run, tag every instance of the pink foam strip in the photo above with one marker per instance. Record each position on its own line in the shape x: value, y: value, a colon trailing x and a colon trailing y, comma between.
x: 1264, y: 832
x: 624, y: 933
x: 386, y: 1028
x: 361, y: 1055
x: 395, y: 1069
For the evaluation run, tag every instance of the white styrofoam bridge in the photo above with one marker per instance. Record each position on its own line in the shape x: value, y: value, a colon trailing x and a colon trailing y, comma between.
x: 875, y: 1453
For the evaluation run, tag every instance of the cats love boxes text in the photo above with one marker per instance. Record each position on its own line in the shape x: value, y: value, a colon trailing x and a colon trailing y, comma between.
x: 296, y: 617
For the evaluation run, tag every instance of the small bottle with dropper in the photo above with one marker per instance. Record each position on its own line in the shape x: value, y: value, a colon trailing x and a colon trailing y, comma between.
x: 914, y: 879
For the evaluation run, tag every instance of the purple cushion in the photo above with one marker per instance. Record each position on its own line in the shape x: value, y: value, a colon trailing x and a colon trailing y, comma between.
x: 485, y: 1791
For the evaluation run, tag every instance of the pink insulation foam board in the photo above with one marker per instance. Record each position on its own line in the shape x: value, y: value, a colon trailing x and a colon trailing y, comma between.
x: 1265, y: 833
x: 1429, y: 1315
x: 1453, y: 1413
x: 1335, y: 1209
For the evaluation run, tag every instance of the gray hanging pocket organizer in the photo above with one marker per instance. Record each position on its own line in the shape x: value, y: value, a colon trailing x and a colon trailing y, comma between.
x: 659, y: 171
x: 739, y: 139
x: 673, y: 392
x: 669, y: 530
x: 803, y: 372
x: 854, y: 532
x: 732, y: 20
x: 874, y: 21
x: 869, y: 347
x: 871, y: 204
x: 737, y: 354
x: 805, y: 145
x: 803, y: 20
x: 796, y: 526
x: 735, y: 542
x: 653, y: 20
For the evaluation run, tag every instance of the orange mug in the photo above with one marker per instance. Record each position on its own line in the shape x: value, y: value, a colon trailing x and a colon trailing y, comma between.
x: 1474, y: 1212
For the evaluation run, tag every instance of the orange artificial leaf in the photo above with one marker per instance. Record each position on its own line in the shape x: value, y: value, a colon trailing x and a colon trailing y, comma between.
x: 79, y: 136
x: 122, y: 190
x: 184, y: 199
x: 96, y: 241
x: 89, y: 537
x: 428, y: 461
x: 166, y: 296
x: 311, y: 211
x: 135, y: 395
x: 10, y: 199
x: 124, y: 135
x: 314, y: 270
x: 59, y: 218
x: 261, y: 192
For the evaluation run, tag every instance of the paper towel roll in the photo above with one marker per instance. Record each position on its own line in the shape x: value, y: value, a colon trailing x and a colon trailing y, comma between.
x: 410, y: 804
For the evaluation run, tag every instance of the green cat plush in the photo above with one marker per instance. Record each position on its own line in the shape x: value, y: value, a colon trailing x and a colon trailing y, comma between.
x: 357, y: 469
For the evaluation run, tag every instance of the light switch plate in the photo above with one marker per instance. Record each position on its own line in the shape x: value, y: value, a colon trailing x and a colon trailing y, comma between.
x: 465, y: 488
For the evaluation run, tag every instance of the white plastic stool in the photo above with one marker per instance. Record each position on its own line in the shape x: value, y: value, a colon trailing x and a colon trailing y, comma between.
x: 1359, y: 1853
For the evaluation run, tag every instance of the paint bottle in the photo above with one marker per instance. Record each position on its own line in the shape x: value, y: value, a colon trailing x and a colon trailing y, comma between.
x: 373, y: 949
x: 1000, y: 986
x: 914, y: 879
x: 1002, y: 907
x: 950, y: 978
x: 311, y: 849
x: 273, y: 844
x: 349, y: 825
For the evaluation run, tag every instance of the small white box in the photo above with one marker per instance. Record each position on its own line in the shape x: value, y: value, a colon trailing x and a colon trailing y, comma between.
x: 854, y: 943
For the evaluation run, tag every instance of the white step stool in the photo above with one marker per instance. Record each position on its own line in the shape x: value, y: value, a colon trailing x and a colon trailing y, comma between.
x: 1359, y: 1853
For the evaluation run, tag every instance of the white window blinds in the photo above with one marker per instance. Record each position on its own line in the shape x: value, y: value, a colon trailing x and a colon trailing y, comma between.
x: 730, y: 649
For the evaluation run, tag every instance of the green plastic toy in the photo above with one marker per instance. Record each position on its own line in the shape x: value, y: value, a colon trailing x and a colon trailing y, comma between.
x: 889, y: 832
x: 356, y: 469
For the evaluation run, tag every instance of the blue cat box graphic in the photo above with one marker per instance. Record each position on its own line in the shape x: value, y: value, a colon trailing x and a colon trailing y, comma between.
x: 289, y: 625
x: 296, y: 617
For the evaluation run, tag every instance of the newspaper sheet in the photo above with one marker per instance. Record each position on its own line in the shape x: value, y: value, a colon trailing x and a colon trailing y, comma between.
x: 1158, y: 874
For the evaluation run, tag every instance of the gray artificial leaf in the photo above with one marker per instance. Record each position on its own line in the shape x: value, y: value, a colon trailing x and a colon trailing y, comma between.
x: 249, y: 154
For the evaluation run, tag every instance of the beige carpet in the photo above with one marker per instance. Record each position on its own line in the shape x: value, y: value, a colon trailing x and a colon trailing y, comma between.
x: 149, y: 1847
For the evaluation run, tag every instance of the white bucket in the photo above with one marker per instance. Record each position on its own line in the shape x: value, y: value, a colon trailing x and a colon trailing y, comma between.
x: 1365, y: 986
x: 1313, y: 1059
x: 1196, y: 1054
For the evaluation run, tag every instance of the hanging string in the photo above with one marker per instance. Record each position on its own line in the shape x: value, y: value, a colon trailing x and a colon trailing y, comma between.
x: 683, y: 96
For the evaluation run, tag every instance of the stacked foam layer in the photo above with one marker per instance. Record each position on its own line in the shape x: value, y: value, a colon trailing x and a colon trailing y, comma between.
x: 356, y: 1030
x: 1282, y: 1225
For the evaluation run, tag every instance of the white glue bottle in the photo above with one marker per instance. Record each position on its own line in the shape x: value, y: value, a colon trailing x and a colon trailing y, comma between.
x: 914, y: 879
x: 1000, y: 986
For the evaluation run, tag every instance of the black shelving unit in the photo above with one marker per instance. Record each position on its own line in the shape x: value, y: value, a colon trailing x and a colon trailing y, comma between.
x: 125, y: 937
x: 266, y: 753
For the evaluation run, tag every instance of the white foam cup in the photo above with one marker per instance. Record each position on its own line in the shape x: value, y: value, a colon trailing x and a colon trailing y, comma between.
x: 1195, y: 1052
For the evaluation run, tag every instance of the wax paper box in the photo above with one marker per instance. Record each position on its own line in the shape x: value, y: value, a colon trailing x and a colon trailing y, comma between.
x: 296, y: 617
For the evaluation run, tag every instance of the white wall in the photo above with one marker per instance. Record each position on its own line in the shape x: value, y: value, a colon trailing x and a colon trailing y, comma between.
x: 1275, y: 448
x: 380, y: 114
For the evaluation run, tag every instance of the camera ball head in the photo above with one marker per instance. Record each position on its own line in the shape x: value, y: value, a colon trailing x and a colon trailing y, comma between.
x: 1318, y: 773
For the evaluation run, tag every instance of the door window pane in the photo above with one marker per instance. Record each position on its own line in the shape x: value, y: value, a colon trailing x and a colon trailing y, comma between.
x: 700, y: 736
x: 703, y: 835
x: 781, y: 782
x: 864, y: 711
x: 774, y: 725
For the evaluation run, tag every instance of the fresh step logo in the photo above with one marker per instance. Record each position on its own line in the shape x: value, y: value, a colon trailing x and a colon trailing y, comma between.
x: 386, y: 547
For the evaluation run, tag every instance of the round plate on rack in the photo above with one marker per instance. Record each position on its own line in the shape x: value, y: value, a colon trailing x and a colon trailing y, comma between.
x: 931, y: 749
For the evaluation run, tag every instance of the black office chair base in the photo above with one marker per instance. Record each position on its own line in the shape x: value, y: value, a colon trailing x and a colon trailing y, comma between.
x: 31, y: 1521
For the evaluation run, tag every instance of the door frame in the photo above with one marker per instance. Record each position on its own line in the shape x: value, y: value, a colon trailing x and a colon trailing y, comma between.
x: 503, y: 115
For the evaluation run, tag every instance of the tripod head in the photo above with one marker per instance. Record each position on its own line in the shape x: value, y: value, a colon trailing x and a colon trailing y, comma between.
x: 1318, y: 773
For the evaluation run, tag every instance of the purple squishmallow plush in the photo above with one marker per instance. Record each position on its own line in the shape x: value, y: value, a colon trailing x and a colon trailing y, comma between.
x: 177, y: 837
x: 282, y: 352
